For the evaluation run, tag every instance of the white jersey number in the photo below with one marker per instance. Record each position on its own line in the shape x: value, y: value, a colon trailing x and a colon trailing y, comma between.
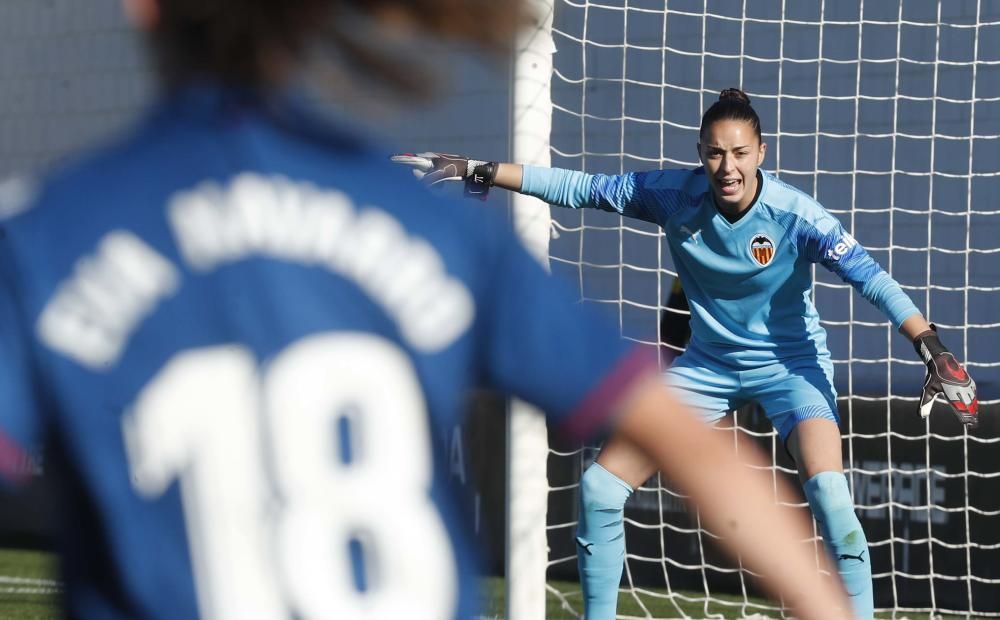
x: 289, y: 471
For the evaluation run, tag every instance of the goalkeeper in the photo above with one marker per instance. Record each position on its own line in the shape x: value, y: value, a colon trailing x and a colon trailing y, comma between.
x: 743, y: 243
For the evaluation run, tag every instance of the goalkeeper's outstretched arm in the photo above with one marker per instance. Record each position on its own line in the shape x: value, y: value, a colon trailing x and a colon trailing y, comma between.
x: 435, y: 168
x: 736, y: 501
x: 509, y: 176
x: 478, y: 176
x: 560, y: 187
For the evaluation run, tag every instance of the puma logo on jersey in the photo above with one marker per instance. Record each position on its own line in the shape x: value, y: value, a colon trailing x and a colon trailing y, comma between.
x: 843, y: 246
x: 761, y: 249
x: 693, y: 234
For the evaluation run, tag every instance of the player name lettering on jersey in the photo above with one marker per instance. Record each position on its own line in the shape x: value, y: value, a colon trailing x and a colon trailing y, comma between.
x: 276, y: 217
x: 92, y: 313
x: 838, y: 251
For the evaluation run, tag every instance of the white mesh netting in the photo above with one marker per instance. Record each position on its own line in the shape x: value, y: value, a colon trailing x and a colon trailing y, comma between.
x: 889, y: 114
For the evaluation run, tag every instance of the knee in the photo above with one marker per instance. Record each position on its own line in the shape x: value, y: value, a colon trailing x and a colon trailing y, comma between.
x: 832, y: 505
x: 828, y: 492
x: 602, y: 490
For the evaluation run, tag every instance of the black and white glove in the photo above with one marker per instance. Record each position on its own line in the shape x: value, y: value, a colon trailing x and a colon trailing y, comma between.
x: 946, y: 376
x: 436, y: 168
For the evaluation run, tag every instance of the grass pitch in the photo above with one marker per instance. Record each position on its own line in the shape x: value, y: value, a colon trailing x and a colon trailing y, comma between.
x: 29, y: 591
x: 568, y: 604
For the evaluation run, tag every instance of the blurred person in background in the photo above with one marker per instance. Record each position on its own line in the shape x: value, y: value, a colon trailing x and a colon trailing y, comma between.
x: 237, y: 328
x: 675, y: 324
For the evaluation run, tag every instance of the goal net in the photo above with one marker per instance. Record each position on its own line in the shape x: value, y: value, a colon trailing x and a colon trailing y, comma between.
x: 888, y: 113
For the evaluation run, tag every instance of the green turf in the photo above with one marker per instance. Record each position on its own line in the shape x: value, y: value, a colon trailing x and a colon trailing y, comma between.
x: 21, y: 596
x: 628, y: 605
x: 24, y: 599
x: 655, y: 605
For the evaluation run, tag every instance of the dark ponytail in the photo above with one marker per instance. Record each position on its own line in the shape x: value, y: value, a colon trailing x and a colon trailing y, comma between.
x: 235, y: 40
x: 733, y: 104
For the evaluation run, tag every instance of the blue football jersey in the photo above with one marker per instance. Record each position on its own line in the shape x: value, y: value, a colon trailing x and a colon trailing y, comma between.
x: 237, y: 331
x: 749, y: 282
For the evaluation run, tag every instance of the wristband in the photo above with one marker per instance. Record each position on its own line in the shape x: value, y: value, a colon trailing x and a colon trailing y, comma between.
x: 481, y: 175
x: 482, y: 172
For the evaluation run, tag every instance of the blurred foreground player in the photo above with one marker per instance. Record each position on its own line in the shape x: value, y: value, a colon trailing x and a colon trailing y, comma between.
x: 237, y: 330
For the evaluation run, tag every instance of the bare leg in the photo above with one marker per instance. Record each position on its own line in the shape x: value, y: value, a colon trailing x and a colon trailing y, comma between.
x: 624, y: 459
x: 815, y: 446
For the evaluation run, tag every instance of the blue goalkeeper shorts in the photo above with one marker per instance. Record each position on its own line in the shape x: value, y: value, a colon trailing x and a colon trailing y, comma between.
x: 789, y: 391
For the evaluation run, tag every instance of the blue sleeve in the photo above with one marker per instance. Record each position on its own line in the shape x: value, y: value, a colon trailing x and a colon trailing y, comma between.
x: 562, y: 357
x: 20, y: 423
x: 650, y: 196
x: 839, y: 252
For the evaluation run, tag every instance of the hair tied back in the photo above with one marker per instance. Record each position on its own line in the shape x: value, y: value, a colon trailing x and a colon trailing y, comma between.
x: 735, y: 95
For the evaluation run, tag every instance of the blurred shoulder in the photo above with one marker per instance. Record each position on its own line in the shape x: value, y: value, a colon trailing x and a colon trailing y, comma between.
x: 17, y: 195
x: 64, y: 184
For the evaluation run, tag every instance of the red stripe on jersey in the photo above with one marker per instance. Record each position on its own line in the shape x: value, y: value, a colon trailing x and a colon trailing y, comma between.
x: 593, y: 413
x: 12, y: 461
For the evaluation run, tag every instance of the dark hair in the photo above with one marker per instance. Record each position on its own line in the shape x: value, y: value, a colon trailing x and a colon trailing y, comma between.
x: 733, y: 104
x: 235, y: 40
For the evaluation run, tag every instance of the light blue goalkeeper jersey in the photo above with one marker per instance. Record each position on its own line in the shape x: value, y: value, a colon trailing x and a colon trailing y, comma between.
x: 748, y: 282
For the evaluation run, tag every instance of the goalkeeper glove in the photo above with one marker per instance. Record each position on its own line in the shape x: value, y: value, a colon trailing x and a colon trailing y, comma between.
x: 435, y: 168
x: 946, y: 376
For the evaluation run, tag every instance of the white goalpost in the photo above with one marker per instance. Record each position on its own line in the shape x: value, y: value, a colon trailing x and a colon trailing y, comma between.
x: 527, y: 443
x: 889, y: 114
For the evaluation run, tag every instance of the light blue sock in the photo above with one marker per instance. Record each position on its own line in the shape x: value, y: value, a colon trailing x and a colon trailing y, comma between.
x: 833, y: 507
x: 600, y: 540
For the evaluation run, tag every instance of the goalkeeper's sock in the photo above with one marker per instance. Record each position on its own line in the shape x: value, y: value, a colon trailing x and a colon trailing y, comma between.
x: 600, y: 540
x: 833, y: 507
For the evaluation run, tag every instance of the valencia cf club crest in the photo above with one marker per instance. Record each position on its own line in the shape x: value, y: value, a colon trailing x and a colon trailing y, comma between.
x: 761, y: 249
